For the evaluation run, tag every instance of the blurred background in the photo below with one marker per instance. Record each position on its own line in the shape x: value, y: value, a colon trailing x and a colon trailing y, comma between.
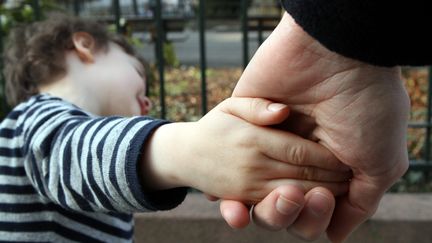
x: 197, y: 50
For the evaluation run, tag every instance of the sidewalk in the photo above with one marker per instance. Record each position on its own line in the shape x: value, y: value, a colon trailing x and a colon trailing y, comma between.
x: 401, y: 218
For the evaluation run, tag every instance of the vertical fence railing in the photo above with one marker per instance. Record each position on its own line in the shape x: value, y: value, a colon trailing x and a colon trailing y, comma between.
x: 76, y: 7
x: 428, y: 118
x: 260, y: 33
x: 160, y: 39
x: 425, y: 163
x: 245, y: 31
x: 135, y: 7
x: 117, y: 14
x: 3, y: 105
x: 37, y: 9
x: 203, y: 56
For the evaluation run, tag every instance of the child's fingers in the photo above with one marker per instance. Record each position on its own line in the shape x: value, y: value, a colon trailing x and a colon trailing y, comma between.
x: 257, y: 111
x: 337, y: 188
x: 293, y: 149
x: 286, y: 170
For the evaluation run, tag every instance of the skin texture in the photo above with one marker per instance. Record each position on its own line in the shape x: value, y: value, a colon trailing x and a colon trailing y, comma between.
x: 358, y: 111
x: 222, y: 154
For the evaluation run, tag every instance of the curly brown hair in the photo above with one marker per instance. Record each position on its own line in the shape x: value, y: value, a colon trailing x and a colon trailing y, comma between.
x: 35, y: 53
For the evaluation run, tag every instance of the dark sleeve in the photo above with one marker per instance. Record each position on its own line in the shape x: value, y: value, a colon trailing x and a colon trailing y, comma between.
x: 385, y: 33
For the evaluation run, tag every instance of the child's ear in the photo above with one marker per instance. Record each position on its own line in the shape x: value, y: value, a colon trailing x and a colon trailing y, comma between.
x: 84, y: 45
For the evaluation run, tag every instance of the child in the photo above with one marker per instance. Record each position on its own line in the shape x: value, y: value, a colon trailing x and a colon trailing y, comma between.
x: 76, y: 157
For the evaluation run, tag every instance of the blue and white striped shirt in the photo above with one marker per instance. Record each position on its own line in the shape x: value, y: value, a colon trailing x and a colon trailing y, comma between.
x: 66, y: 175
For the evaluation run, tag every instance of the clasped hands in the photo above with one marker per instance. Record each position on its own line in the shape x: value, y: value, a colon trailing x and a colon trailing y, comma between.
x: 357, y: 111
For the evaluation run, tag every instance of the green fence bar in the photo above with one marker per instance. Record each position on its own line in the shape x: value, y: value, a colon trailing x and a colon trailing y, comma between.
x: 1, y: 48
x: 135, y: 7
x: 159, y: 55
x: 260, y: 33
x: 77, y: 7
x: 2, y: 80
x: 37, y: 9
x: 203, y: 58
x: 244, y: 19
x: 117, y: 14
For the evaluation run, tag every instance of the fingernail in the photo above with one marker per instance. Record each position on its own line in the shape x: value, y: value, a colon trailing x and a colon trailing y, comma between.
x: 319, y: 204
x: 276, y: 107
x: 286, y: 206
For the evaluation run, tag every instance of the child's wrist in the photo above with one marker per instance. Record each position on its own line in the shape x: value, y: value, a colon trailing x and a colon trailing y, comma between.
x: 161, y: 163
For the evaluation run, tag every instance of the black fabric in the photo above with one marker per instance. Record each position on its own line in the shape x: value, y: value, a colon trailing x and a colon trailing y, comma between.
x: 379, y: 32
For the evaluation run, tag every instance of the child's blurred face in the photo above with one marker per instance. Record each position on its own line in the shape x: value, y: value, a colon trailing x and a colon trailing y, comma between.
x: 117, y: 82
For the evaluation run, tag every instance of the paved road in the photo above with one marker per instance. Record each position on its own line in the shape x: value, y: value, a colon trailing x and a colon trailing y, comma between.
x: 224, y: 48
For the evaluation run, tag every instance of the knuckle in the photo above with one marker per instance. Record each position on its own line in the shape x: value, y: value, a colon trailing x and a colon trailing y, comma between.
x: 296, y: 154
x: 249, y: 187
x: 307, y: 173
x: 250, y: 167
x: 256, y: 104
x: 242, y: 181
x: 248, y: 194
x: 250, y: 138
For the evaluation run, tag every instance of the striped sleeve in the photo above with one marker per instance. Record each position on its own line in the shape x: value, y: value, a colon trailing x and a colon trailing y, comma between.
x: 89, y: 164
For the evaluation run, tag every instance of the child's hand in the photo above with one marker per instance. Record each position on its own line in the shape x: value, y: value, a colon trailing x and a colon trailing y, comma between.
x: 225, y: 156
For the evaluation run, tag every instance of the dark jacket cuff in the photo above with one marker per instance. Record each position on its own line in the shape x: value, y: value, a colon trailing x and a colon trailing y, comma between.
x: 377, y: 32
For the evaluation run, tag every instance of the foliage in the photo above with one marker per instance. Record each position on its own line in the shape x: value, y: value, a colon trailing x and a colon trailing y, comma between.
x: 170, y: 55
x: 17, y: 12
x: 24, y: 11
x: 416, y: 82
x: 183, y: 91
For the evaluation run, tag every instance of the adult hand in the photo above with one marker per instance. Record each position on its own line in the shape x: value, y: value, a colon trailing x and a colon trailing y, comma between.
x: 358, y: 111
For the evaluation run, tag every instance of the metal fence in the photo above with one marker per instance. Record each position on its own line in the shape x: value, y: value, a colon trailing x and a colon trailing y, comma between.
x: 160, y: 21
x: 425, y: 163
